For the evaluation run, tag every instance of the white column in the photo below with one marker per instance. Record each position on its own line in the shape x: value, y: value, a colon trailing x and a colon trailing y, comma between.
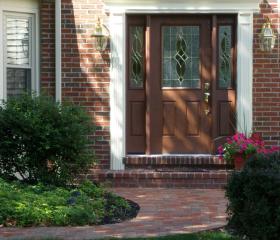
x: 58, y: 50
x: 245, y: 72
x: 117, y: 90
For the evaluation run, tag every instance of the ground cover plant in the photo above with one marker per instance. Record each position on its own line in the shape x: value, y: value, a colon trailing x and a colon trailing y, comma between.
x: 44, y: 141
x: 41, y: 205
x: 254, y: 198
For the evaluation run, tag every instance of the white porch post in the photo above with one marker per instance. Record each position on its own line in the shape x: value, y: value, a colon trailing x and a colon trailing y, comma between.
x: 245, y: 72
x: 117, y: 90
x: 58, y: 50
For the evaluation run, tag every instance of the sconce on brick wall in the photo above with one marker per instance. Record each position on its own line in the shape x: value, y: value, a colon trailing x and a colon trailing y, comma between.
x: 267, y: 37
x: 101, y: 34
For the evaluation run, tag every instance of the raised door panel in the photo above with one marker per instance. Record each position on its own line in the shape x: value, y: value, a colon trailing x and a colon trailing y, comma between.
x: 225, y: 124
x: 169, y: 118
x: 193, y: 118
x: 137, y: 118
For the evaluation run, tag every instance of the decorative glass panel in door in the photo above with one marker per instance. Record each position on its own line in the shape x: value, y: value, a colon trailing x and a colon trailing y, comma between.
x: 136, y: 61
x: 225, y: 57
x: 180, y: 56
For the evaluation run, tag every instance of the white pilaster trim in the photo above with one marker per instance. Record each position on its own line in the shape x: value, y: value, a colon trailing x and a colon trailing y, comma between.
x: 58, y: 50
x: 245, y: 72
x: 117, y: 90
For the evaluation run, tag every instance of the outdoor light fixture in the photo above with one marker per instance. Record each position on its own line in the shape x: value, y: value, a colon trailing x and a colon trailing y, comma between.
x: 267, y: 37
x: 101, y: 34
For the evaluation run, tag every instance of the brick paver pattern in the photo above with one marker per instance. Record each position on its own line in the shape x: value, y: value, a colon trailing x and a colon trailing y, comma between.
x: 163, y: 212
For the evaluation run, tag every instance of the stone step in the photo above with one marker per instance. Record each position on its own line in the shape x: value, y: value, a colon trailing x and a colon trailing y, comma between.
x: 188, y: 162
x: 210, y: 179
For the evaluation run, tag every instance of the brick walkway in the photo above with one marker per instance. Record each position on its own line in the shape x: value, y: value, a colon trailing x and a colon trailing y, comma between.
x: 163, y: 211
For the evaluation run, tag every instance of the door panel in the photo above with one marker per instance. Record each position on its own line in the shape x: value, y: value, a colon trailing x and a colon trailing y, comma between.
x: 135, y: 87
x: 193, y: 118
x: 184, y: 44
x: 169, y: 111
x: 137, y: 118
x: 224, y: 78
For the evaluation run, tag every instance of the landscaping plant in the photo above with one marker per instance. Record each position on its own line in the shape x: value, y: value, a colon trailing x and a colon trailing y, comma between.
x: 44, y: 141
x: 254, y: 198
x: 41, y: 205
x: 239, y: 146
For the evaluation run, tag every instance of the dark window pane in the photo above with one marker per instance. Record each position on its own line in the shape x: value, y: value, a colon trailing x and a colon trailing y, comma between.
x: 18, y: 81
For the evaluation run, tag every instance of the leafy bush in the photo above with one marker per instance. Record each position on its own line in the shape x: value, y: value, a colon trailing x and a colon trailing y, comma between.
x: 33, y: 205
x: 43, y: 141
x: 254, y: 198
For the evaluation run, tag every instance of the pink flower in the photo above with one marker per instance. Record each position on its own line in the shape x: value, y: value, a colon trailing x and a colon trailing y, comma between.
x: 244, y: 146
x: 220, y: 149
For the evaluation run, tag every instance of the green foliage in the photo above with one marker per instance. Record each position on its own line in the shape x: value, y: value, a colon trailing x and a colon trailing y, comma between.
x: 33, y: 205
x: 43, y: 141
x: 254, y: 198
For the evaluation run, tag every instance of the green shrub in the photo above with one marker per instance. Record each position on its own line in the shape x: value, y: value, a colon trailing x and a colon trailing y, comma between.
x: 254, y: 198
x: 44, y: 141
x: 34, y: 205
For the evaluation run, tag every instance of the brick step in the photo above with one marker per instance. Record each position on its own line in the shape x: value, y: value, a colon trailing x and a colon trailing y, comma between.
x: 189, y: 162
x: 211, y: 179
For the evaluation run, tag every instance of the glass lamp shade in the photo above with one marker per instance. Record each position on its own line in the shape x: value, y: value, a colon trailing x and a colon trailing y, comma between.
x: 267, y: 38
x: 100, y: 37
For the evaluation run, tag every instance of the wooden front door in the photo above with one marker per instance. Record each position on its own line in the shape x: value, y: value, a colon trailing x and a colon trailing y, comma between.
x: 180, y: 83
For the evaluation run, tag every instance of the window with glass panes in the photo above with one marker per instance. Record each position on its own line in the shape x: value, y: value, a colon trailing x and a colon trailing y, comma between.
x: 18, y: 53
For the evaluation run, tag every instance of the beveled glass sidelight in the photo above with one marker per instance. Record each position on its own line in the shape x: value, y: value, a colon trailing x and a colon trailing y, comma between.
x: 136, y: 61
x: 225, y: 57
x: 180, y: 56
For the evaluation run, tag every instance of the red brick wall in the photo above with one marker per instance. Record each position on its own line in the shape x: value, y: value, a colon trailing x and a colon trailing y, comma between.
x: 266, y: 79
x: 47, y: 46
x: 85, y: 71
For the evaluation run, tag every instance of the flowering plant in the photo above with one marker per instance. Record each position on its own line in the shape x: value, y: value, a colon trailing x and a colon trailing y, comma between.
x: 242, y: 146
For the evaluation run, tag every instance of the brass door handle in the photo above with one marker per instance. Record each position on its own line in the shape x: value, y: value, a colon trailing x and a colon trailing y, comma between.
x: 207, y: 95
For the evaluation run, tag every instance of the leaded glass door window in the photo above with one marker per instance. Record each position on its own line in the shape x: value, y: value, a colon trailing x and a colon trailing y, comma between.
x: 136, y: 56
x: 180, y: 56
x: 225, y: 56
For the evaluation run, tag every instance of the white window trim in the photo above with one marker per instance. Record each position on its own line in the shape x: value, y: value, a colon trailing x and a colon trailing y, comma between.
x: 118, y: 49
x: 35, y: 74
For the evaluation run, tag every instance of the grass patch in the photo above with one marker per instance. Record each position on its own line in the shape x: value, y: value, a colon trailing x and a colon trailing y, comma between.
x: 211, y: 235
x: 41, y: 205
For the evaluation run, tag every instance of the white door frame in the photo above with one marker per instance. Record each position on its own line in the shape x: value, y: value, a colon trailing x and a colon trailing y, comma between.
x: 117, y: 23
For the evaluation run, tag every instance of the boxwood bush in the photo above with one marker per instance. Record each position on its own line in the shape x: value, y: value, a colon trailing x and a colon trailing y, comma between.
x: 44, y: 141
x: 254, y: 198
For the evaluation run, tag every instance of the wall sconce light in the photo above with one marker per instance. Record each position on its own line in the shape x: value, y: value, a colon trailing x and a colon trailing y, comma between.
x: 267, y: 37
x: 101, y: 34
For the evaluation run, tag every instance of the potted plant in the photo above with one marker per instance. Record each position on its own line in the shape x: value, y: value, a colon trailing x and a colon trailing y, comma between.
x: 238, y: 148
